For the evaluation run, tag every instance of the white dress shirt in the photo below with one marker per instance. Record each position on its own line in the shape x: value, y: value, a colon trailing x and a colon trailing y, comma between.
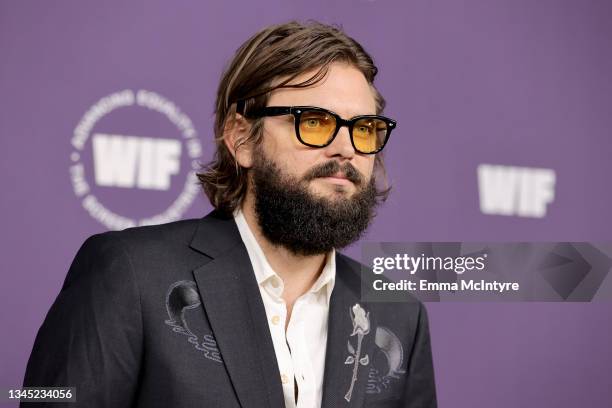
x: 300, y: 351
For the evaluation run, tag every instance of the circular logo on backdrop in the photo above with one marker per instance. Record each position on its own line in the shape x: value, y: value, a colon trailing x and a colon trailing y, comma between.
x: 134, y: 159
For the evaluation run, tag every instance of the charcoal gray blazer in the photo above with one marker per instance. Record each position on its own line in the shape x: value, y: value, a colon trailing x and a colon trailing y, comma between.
x: 171, y: 316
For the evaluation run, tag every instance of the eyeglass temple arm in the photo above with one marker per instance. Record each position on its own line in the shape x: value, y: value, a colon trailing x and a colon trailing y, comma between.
x: 271, y: 111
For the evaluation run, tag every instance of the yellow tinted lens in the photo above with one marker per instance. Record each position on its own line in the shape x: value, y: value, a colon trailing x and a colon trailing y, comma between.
x: 316, y: 128
x: 369, y: 134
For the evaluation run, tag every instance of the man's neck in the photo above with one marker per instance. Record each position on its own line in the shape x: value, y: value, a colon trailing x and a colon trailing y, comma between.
x: 298, y: 272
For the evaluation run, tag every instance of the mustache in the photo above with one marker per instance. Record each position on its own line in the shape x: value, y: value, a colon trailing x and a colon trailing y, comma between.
x: 332, y: 167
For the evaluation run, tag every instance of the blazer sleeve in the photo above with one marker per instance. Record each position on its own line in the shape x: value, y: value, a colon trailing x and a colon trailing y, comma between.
x: 420, y: 391
x: 91, y: 338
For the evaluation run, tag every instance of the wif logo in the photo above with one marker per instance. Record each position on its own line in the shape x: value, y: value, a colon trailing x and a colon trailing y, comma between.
x: 130, y: 161
x: 521, y: 191
x: 134, y: 159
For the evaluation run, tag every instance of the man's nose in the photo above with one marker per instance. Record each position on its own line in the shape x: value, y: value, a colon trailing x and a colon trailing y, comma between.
x: 341, y: 146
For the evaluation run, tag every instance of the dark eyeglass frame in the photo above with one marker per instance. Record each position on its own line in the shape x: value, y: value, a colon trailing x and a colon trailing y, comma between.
x: 297, y: 112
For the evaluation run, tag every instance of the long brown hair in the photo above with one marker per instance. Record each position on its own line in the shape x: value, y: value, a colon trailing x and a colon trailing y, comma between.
x: 280, y: 51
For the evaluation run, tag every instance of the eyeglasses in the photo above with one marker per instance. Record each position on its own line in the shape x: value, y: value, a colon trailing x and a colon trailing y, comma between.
x: 318, y: 127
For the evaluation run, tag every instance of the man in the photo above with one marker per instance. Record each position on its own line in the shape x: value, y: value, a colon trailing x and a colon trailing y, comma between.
x: 251, y: 306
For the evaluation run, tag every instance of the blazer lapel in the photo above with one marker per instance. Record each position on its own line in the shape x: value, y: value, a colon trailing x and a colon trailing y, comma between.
x: 233, y: 305
x: 344, y: 356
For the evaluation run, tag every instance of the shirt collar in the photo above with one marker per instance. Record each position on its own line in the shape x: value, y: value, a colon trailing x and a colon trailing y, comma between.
x: 264, y: 274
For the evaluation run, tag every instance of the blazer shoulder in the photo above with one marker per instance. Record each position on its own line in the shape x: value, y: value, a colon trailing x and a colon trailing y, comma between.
x: 149, y: 237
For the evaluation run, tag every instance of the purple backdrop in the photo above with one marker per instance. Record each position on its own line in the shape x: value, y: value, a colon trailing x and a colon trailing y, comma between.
x: 510, y: 82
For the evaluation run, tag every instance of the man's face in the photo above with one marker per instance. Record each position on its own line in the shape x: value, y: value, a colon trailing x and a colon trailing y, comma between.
x: 345, y: 91
x: 310, y: 200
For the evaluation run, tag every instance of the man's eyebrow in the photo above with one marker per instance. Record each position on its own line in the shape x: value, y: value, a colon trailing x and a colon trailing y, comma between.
x: 361, y: 113
x: 357, y: 112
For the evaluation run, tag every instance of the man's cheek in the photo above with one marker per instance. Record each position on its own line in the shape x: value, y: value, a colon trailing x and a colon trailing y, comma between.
x: 369, y: 169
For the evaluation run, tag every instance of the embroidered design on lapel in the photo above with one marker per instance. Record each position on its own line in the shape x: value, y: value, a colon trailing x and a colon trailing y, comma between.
x: 183, y: 295
x: 361, y: 327
x: 391, y: 346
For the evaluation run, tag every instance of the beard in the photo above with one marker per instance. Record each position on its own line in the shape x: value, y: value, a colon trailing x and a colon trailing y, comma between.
x: 290, y: 216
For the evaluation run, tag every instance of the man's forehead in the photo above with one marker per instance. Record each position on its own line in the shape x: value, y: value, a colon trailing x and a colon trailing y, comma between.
x: 344, y: 90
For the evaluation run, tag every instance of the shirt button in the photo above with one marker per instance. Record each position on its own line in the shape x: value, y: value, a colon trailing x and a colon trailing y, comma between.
x: 284, y: 379
x: 275, y: 283
x: 275, y: 319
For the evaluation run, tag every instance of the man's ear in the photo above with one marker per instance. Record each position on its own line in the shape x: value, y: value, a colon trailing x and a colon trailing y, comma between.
x: 235, y: 135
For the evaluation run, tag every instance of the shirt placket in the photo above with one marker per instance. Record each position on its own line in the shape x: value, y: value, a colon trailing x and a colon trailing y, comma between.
x: 278, y: 318
x: 297, y: 338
